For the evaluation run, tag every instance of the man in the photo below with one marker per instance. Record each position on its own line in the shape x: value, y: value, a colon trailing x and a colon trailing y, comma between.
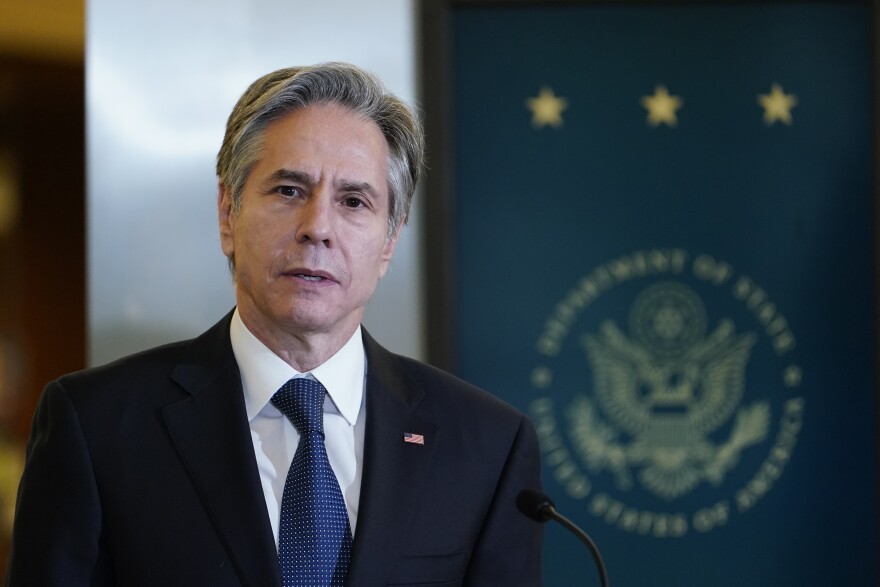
x: 184, y: 465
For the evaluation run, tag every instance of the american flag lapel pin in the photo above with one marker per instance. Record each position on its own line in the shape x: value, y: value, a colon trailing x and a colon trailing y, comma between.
x: 413, y: 438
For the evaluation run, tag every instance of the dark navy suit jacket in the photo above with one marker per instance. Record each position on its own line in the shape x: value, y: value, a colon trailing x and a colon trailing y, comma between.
x: 142, y: 473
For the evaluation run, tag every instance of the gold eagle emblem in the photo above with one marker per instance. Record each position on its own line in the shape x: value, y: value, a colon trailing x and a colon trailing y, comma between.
x: 660, y: 393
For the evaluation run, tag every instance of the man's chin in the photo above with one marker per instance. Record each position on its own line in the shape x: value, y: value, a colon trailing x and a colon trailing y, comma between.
x: 319, y: 323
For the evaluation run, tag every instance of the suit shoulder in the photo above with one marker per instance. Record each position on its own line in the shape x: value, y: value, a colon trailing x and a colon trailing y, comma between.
x: 153, y: 361
x: 139, y: 381
x: 440, y: 385
x: 208, y: 348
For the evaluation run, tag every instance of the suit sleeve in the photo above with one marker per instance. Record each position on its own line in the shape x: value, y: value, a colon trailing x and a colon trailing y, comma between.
x: 57, y: 530
x: 508, y: 551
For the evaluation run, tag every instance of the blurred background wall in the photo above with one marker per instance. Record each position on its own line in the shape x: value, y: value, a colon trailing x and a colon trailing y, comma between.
x: 161, y: 79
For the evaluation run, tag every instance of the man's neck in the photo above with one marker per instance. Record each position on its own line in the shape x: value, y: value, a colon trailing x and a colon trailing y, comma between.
x: 301, y: 350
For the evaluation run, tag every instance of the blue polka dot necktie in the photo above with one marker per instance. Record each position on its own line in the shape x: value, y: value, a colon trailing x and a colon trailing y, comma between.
x: 314, y: 538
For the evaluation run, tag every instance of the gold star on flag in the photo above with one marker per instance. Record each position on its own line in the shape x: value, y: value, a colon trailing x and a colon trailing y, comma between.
x: 777, y: 105
x: 547, y: 108
x: 662, y: 107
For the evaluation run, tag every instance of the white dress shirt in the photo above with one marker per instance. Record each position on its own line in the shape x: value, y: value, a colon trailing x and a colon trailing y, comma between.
x: 275, y: 438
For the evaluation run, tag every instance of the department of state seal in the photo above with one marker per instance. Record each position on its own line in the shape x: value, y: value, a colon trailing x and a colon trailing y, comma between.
x: 664, y: 415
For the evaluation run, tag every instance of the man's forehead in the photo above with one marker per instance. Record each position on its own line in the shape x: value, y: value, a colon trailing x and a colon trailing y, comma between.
x: 319, y: 122
x: 307, y: 143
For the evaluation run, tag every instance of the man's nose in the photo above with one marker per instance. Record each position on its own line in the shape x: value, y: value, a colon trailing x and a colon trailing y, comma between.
x: 316, y: 218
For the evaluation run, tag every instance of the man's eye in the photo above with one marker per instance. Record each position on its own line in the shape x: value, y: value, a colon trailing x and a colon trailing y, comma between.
x: 288, y: 191
x: 353, y: 202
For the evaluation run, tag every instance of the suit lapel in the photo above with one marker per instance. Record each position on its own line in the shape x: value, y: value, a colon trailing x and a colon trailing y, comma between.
x: 210, y: 430
x: 394, y: 471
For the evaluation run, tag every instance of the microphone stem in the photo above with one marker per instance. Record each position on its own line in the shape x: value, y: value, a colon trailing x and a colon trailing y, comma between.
x: 574, y: 529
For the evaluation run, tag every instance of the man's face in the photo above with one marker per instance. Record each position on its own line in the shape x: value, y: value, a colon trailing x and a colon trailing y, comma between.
x: 310, y: 238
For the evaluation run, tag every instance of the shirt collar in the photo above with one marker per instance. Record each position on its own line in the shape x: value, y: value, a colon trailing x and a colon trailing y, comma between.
x: 263, y: 372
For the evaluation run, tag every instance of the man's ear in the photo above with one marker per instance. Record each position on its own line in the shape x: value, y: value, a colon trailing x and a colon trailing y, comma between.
x: 390, y: 245
x: 226, y: 219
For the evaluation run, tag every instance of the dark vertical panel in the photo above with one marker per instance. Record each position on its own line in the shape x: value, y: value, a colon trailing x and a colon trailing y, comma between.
x: 438, y: 186
x: 42, y: 254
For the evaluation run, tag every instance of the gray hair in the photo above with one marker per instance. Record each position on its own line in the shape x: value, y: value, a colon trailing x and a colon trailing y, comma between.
x: 287, y: 90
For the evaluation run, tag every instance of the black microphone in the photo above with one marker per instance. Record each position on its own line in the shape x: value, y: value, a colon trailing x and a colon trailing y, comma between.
x: 537, y: 506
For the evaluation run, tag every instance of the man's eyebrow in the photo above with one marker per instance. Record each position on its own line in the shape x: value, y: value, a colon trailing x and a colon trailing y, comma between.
x: 307, y: 179
x: 357, y: 186
x: 292, y: 175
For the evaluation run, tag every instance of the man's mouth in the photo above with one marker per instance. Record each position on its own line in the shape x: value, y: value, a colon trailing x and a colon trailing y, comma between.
x: 310, y: 275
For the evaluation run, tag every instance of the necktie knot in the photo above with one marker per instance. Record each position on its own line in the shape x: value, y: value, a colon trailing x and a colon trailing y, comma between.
x: 302, y: 401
